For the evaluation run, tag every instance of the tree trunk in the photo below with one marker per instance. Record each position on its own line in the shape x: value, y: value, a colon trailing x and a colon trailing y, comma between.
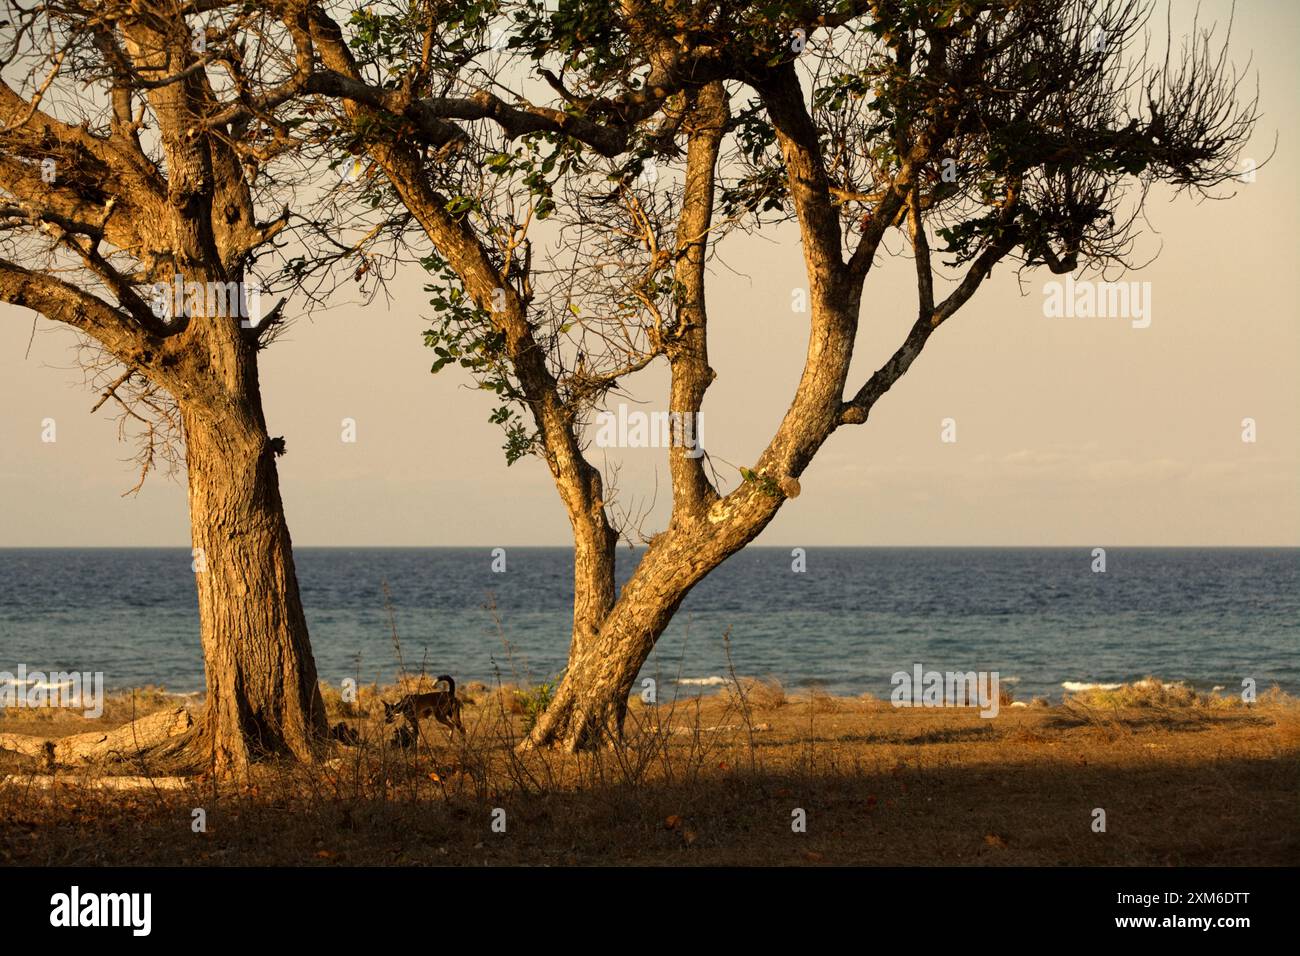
x: 611, y: 641
x: 590, y: 704
x: 262, y: 694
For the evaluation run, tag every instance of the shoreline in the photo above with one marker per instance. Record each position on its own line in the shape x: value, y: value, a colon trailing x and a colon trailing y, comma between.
x: 705, y: 685
x: 117, y: 707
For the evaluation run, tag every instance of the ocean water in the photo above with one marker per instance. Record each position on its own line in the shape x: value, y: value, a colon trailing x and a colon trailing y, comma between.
x: 1210, y: 617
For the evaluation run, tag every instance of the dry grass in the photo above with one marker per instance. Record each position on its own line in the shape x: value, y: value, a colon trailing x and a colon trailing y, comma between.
x: 118, y: 709
x: 1153, y: 692
x: 1184, y: 781
x: 822, y: 702
x: 760, y: 693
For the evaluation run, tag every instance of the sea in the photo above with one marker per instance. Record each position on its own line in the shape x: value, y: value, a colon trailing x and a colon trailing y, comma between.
x: 840, y: 619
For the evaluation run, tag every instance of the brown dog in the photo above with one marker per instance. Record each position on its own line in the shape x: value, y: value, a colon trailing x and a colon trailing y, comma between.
x: 442, y: 705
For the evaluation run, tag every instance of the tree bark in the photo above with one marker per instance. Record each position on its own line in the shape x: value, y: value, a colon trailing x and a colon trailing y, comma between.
x: 262, y: 694
x: 590, y: 704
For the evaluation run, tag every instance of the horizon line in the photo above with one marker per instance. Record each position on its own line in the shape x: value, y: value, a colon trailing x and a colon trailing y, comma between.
x: 752, y: 547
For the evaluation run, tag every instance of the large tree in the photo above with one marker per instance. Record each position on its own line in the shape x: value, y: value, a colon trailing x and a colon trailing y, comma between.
x: 515, y: 138
x: 137, y: 140
x: 519, y: 138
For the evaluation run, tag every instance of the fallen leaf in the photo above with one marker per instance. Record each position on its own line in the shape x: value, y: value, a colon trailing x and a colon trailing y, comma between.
x: 673, y: 822
x: 992, y: 839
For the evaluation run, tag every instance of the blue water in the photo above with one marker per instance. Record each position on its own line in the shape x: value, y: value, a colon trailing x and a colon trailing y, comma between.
x: 1207, y: 616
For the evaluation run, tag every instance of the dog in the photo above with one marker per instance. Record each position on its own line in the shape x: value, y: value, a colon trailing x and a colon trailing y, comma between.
x: 442, y: 705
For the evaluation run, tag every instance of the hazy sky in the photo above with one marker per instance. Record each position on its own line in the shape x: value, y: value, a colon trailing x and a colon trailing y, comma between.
x: 1069, y: 430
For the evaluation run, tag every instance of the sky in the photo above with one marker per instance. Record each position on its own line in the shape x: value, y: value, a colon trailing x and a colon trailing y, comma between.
x: 1069, y: 431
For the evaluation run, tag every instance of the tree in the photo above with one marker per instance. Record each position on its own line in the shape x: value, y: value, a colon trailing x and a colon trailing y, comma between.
x: 136, y: 154
x: 984, y: 131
